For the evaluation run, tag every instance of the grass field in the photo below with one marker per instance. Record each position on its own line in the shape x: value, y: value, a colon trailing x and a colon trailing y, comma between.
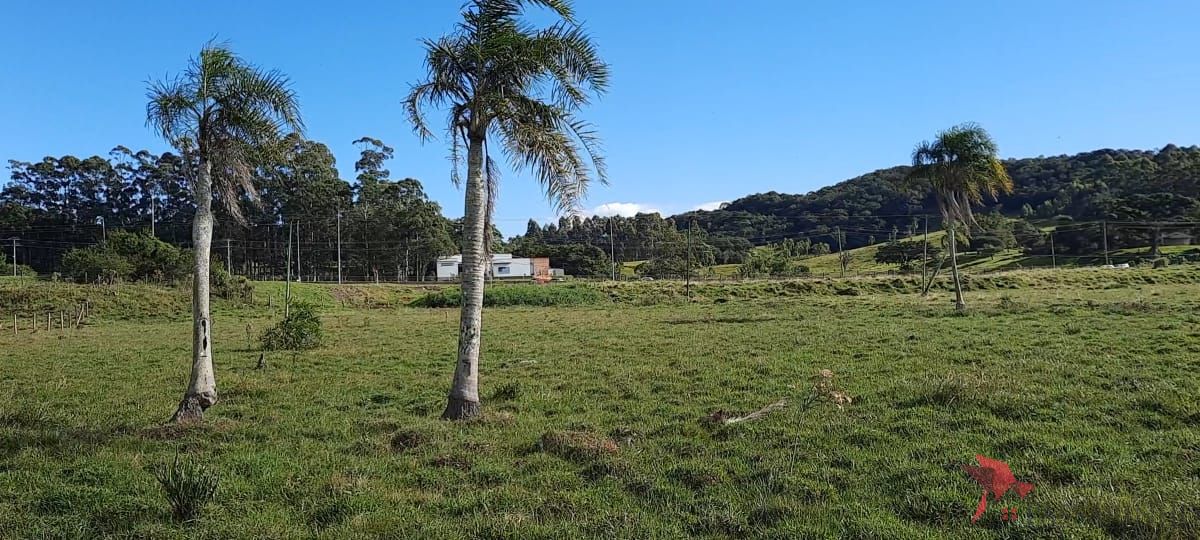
x: 1086, y: 383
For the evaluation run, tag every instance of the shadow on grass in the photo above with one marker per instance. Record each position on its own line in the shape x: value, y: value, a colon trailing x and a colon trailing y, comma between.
x: 36, y: 429
x: 732, y: 319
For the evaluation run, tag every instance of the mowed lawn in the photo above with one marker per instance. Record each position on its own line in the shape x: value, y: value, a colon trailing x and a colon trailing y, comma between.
x: 595, y: 422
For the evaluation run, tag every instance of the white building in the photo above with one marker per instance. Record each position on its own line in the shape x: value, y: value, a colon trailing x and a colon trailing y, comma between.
x: 449, y: 267
x: 503, y: 265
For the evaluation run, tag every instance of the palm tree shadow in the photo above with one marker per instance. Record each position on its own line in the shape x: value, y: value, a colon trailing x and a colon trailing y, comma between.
x: 31, y: 429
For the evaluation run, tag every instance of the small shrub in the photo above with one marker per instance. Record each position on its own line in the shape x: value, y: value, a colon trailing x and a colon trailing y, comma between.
x: 229, y: 286
x: 954, y: 388
x: 301, y: 330
x: 1161, y: 262
x: 22, y: 270
x: 1008, y: 304
x: 149, y: 258
x: 507, y: 392
x: 88, y: 264
x: 188, y: 486
x: 127, y: 256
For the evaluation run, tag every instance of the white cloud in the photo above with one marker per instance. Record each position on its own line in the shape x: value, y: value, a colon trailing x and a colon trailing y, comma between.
x: 709, y: 206
x: 623, y: 209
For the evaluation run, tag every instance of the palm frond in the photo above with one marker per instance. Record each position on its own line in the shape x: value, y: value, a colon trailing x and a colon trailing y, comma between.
x: 569, y: 55
x: 500, y: 77
x: 961, y: 166
x: 508, y: 9
x: 492, y: 179
x: 227, y: 112
x: 167, y: 109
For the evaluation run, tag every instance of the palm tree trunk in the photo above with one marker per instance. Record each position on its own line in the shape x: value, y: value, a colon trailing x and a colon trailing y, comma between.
x: 959, y: 305
x: 202, y: 386
x: 463, y: 402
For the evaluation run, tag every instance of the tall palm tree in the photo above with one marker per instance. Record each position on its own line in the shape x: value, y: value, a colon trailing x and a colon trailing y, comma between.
x: 961, y: 166
x: 219, y: 113
x: 505, y: 82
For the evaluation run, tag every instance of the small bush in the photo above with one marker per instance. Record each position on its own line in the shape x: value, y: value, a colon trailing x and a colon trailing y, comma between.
x: 507, y: 392
x: 149, y: 258
x: 89, y: 264
x: 6, y: 268
x: 953, y: 389
x: 127, y: 256
x: 1008, y: 304
x: 301, y: 330
x: 229, y: 286
x: 1161, y: 262
x: 188, y: 486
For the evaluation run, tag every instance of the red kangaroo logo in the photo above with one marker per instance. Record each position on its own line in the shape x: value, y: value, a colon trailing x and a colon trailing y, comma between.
x: 996, y: 479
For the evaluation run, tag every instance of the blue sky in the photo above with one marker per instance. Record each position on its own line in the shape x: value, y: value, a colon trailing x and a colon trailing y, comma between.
x: 710, y: 99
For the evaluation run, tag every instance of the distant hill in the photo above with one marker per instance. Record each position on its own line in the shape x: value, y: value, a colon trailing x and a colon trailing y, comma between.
x: 1128, y: 185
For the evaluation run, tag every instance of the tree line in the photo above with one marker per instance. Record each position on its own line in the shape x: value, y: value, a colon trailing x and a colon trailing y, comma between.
x: 389, y: 228
x: 1117, y: 185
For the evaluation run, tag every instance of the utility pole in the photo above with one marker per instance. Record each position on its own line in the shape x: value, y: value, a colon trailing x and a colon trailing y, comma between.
x: 688, y: 286
x: 103, y: 229
x: 838, y: 232
x: 152, y: 217
x: 339, y: 245
x: 612, y: 248
x: 228, y: 256
x: 925, y: 254
x: 1053, y: 259
x: 14, y: 246
x: 299, y: 268
x: 1105, y: 225
x: 287, y: 285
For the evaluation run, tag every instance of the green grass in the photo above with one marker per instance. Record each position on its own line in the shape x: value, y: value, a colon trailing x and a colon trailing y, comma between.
x: 1085, y: 381
x: 518, y: 295
x: 863, y: 262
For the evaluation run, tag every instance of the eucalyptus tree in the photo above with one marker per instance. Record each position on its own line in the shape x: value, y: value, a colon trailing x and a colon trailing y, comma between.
x: 220, y: 113
x: 511, y: 86
x: 961, y: 166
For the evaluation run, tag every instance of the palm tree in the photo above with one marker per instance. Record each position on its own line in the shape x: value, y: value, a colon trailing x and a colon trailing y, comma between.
x: 218, y: 114
x: 504, y: 81
x: 961, y: 166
